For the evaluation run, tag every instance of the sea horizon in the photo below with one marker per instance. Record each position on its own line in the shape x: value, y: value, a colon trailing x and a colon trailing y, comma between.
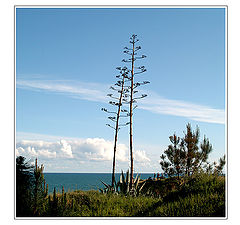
x: 82, y: 181
x: 100, y: 172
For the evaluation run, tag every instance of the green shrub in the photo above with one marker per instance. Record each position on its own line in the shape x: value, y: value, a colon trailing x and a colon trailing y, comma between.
x: 200, y: 195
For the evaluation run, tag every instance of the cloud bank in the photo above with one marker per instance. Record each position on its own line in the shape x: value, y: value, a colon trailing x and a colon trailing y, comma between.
x: 153, y: 103
x: 90, y: 149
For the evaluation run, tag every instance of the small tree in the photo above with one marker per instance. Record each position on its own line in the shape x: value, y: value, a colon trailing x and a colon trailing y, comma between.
x: 31, y: 189
x: 176, y: 156
x: 185, y: 155
x: 191, y: 140
x: 24, y: 187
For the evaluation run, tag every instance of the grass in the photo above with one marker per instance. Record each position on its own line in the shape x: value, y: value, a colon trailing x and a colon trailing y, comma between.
x: 96, y: 204
x: 199, y: 196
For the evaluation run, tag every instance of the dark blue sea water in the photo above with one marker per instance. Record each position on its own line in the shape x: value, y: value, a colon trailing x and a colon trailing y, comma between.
x: 81, y: 181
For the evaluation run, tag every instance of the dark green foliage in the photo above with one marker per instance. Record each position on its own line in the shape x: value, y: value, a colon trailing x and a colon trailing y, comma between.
x: 176, y: 156
x: 109, y: 188
x: 190, y: 143
x: 124, y: 185
x: 24, y: 187
x: 53, y: 207
x: 40, y: 193
x: 200, y: 195
x: 191, y: 206
x: 31, y: 190
x: 186, y: 156
x: 218, y: 168
x: 161, y: 187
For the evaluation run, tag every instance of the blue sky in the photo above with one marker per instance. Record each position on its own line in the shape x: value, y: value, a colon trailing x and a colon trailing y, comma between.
x: 65, y: 64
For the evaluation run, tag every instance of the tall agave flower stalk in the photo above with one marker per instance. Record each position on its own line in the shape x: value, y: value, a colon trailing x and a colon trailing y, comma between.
x: 132, y: 100
x: 119, y: 88
x: 126, y: 87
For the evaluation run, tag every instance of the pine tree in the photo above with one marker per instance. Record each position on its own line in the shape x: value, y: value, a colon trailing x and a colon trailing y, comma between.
x: 24, y: 187
x: 185, y: 155
x: 191, y: 140
x: 175, y: 155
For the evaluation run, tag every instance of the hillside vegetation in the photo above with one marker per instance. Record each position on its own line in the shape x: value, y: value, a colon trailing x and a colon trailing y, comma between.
x: 200, y: 195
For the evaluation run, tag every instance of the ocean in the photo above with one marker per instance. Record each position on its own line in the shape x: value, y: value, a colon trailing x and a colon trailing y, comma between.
x: 81, y: 181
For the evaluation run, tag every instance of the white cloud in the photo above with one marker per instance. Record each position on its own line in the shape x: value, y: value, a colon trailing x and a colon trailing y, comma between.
x: 98, y: 149
x: 82, y: 150
x: 92, y: 149
x: 140, y: 156
x: 46, y: 154
x: 158, y: 104
x: 153, y: 103
x: 66, y: 149
x: 74, y: 154
x: 82, y: 90
x: 44, y: 149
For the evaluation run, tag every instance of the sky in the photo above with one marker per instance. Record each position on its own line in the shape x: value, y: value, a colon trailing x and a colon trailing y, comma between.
x: 66, y: 61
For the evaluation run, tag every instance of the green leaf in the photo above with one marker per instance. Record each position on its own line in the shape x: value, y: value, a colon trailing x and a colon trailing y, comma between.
x: 142, y: 186
x: 137, y: 182
x: 127, y: 177
x: 136, y: 178
x: 106, y: 185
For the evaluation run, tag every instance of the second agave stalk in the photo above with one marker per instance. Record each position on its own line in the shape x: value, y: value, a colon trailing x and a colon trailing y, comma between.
x: 116, y: 130
x: 131, y: 135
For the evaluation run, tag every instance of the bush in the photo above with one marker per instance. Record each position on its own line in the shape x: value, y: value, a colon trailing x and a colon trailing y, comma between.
x: 200, y: 195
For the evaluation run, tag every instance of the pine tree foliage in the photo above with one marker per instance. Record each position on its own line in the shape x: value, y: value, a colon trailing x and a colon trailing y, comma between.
x: 220, y: 166
x: 176, y: 156
x: 31, y: 189
x: 186, y: 156
x: 40, y: 191
x: 24, y: 187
